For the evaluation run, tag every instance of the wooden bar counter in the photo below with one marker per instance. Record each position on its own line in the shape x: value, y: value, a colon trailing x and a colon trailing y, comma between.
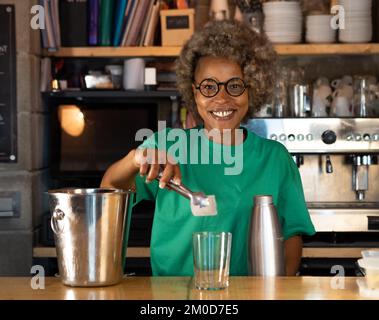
x: 181, y: 288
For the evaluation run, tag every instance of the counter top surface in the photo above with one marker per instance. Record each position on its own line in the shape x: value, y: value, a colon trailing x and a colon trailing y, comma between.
x: 182, y: 288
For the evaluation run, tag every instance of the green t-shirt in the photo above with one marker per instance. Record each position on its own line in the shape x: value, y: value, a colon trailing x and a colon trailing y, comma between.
x: 267, y: 168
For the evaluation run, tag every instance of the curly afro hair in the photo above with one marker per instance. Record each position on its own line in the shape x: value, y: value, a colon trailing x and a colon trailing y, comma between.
x: 235, y: 41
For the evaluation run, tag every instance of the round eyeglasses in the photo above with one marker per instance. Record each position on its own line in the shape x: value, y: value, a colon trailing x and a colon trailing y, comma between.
x: 210, y: 87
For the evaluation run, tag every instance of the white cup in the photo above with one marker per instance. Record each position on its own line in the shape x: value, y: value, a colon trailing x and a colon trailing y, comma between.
x: 219, y: 9
x: 342, y: 107
x: 322, y: 92
x: 318, y: 107
x: 150, y: 76
x: 134, y: 71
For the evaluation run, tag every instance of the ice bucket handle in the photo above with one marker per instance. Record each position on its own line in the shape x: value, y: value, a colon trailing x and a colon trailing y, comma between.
x: 57, y: 216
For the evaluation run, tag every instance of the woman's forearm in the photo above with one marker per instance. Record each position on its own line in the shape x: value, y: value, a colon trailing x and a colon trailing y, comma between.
x: 293, y: 252
x: 121, y: 174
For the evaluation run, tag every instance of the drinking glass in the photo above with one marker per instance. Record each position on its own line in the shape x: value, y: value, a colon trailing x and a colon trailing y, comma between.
x: 211, y: 255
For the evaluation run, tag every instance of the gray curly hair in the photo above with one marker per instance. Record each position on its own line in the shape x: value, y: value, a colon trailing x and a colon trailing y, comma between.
x: 237, y: 42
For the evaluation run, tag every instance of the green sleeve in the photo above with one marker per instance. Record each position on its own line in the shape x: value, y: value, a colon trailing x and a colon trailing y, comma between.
x: 292, y: 208
x: 148, y: 191
x: 145, y: 191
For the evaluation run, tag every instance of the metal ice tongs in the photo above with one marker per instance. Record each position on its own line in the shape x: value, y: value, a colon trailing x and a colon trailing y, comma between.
x: 201, y: 204
x: 197, y: 198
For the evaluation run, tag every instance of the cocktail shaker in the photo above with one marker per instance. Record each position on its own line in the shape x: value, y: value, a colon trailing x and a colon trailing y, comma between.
x: 265, y: 240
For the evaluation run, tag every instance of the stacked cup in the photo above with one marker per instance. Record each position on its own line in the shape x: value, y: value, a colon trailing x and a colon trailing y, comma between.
x: 369, y: 264
x: 358, y: 21
x: 319, y: 29
x: 283, y: 21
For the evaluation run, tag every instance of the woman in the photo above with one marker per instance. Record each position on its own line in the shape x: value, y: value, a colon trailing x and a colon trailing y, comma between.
x: 224, y: 72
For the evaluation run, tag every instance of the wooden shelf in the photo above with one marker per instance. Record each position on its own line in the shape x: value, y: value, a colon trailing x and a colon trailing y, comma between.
x: 308, y: 252
x: 111, y: 94
x: 50, y: 252
x: 109, y: 52
x: 328, y: 49
x: 282, y: 49
x: 336, y: 252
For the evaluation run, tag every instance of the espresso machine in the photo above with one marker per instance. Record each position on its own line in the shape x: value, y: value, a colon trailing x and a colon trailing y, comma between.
x: 338, y: 164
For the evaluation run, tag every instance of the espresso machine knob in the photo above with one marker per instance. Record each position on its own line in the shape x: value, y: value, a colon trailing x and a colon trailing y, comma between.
x: 300, y: 137
x: 329, y: 137
x: 274, y: 137
x: 358, y: 137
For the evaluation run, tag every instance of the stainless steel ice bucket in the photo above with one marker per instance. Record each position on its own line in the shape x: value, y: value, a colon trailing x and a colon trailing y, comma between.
x: 91, y: 233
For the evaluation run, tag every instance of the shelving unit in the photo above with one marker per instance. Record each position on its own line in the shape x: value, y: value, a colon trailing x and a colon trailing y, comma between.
x: 315, y: 50
x: 282, y: 49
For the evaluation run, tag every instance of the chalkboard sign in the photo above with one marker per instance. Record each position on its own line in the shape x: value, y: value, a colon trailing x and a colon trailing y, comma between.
x: 8, y: 106
x: 177, y: 22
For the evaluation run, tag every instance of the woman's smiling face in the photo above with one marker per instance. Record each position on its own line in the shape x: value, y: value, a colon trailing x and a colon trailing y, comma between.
x: 222, y: 111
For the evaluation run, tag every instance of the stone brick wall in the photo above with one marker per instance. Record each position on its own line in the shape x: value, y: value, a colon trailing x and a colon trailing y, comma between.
x: 23, y: 182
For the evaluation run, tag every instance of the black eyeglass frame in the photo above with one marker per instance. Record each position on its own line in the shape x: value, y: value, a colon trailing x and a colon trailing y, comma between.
x: 225, y: 84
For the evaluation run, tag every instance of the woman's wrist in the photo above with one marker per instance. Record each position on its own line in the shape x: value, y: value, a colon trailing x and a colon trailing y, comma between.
x: 131, y: 161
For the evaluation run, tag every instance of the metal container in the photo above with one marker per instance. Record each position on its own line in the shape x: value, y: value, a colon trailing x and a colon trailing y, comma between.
x: 300, y: 100
x: 265, y: 243
x: 91, y: 233
x: 364, y: 95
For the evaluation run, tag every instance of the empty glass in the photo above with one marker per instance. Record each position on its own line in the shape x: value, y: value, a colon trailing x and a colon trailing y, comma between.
x: 211, y: 256
x: 299, y: 94
x: 280, y: 99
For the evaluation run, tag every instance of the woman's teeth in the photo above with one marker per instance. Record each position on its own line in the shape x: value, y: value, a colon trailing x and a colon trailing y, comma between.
x: 222, y: 114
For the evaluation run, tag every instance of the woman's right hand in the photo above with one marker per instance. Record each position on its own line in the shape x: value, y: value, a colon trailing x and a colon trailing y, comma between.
x: 151, y: 161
